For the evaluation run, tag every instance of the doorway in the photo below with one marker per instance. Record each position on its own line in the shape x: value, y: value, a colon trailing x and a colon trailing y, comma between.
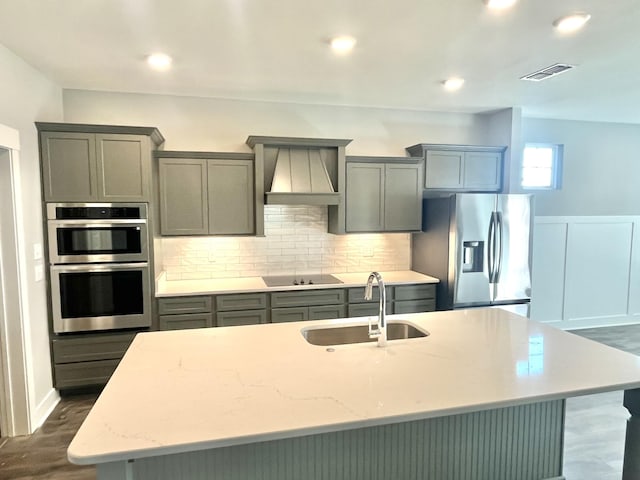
x: 14, y: 398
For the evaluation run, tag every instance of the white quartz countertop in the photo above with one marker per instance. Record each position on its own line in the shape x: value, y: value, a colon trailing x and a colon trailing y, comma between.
x: 174, y: 288
x: 179, y: 391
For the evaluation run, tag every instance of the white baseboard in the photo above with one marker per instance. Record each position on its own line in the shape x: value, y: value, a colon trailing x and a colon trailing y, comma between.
x: 44, y: 409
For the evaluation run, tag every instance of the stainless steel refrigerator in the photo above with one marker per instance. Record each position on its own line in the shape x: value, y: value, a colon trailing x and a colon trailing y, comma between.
x: 479, y: 247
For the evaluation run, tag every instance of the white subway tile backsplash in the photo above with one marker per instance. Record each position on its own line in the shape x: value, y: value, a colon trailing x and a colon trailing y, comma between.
x: 296, y: 241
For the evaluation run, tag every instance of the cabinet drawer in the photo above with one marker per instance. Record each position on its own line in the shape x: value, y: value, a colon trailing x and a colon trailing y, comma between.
x: 294, y: 314
x: 356, y: 295
x: 84, y: 349
x: 327, y: 312
x: 242, y: 301
x: 179, y: 305
x: 365, y: 309
x: 307, y: 298
x: 413, y: 292
x: 414, y: 306
x: 232, y: 319
x: 83, y: 374
x: 192, y: 320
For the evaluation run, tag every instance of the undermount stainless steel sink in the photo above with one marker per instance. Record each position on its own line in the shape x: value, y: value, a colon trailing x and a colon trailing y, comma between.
x: 342, y: 335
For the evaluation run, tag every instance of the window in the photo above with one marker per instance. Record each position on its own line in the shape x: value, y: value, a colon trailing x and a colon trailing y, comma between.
x: 541, y: 166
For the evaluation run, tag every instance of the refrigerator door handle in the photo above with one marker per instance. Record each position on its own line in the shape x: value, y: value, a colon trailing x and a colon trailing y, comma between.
x: 498, y: 268
x: 491, y: 248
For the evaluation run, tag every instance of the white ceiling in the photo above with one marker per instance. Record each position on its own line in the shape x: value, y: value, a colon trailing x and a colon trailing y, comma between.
x: 276, y: 50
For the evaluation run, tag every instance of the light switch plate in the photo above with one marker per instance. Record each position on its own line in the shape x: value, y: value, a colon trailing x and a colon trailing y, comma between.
x: 39, y: 273
x: 37, y: 251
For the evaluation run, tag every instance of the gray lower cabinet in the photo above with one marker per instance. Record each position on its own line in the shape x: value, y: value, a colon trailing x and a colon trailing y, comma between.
x: 97, y: 164
x: 206, y: 196
x: 317, y: 312
x: 188, y: 320
x: 177, y: 313
x: 327, y: 312
x: 414, y: 298
x: 463, y: 168
x: 400, y: 299
x: 241, y: 309
x: 290, y: 314
x: 296, y: 306
x: 383, y: 197
x: 87, y: 360
x: 237, y: 318
x: 201, y: 311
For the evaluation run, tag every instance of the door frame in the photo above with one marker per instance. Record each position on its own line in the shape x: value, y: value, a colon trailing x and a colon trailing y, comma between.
x: 14, y: 387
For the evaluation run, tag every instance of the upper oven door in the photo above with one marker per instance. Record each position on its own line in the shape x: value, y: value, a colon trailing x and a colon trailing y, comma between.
x: 73, y: 241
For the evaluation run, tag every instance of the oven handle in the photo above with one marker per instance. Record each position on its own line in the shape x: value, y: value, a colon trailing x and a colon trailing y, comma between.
x: 99, y: 267
x: 97, y: 223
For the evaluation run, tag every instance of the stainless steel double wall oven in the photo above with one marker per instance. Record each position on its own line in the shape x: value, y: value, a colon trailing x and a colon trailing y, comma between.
x: 99, y: 261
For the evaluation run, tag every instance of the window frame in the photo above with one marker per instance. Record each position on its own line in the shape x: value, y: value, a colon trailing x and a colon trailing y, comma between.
x: 556, y: 166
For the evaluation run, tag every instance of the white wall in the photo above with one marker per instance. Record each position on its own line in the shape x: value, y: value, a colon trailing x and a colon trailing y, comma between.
x: 190, y: 123
x: 601, y: 168
x: 586, y: 271
x: 28, y: 96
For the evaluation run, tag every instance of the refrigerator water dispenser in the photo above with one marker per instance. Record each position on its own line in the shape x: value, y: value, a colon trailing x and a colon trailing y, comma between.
x: 472, y: 256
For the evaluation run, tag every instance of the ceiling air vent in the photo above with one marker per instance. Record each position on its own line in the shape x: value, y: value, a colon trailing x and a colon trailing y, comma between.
x: 547, y: 72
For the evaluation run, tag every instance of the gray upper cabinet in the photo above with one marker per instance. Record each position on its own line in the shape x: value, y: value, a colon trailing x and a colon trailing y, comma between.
x: 231, y: 189
x: 205, y: 195
x: 85, y: 163
x: 402, y: 197
x: 69, y: 166
x: 365, y: 197
x: 183, y: 197
x: 123, y: 167
x: 465, y: 168
x: 383, y: 195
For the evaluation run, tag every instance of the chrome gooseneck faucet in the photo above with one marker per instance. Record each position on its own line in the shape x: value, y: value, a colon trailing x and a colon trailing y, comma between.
x: 380, y: 331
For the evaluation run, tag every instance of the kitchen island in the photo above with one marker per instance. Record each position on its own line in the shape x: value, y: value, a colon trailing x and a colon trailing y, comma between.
x: 482, y: 396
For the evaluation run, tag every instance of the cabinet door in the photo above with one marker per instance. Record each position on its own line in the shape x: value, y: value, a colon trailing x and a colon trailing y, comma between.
x: 231, y: 200
x: 69, y: 166
x: 183, y: 197
x: 294, y: 314
x: 365, y: 197
x: 124, y: 167
x: 482, y: 171
x: 444, y: 169
x: 402, y: 197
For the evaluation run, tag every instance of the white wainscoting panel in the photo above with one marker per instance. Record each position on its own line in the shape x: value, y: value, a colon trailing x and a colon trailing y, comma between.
x: 547, y: 284
x: 586, y: 271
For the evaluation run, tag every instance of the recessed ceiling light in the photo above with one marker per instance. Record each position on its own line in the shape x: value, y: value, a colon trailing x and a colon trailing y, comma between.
x: 343, y: 44
x: 452, y: 84
x: 159, y: 61
x: 571, y: 23
x: 499, y: 4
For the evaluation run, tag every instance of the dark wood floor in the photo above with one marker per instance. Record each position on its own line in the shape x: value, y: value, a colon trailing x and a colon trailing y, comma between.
x: 594, y: 431
x: 43, y: 455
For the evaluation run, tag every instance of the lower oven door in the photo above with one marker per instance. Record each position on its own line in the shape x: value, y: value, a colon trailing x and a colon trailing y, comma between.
x: 100, y: 296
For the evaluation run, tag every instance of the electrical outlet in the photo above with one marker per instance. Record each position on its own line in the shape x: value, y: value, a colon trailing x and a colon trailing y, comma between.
x: 367, y: 251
